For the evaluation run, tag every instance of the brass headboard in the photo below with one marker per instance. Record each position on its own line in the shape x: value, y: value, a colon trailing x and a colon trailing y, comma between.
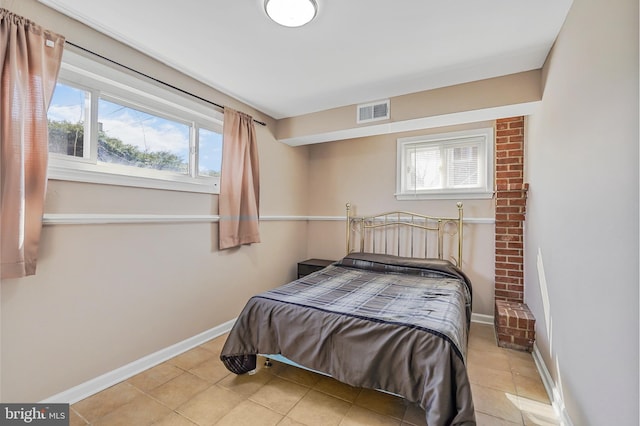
x: 406, y: 234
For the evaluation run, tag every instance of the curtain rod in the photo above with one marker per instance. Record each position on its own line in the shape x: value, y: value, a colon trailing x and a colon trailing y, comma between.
x: 154, y: 79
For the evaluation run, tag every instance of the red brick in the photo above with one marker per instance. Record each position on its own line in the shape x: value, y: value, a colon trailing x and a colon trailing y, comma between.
x: 511, y: 209
x: 514, y: 324
x: 509, y: 160
x: 507, y: 175
x: 525, y: 324
x: 508, y: 280
x: 501, y: 231
x: 517, y: 333
x: 509, y: 266
x: 510, y: 119
x: 515, y: 180
x: 507, y: 224
x: 517, y: 201
x: 508, y: 145
x: 508, y: 252
x: 510, y: 132
x: 501, y: 273
x: 524, y: 342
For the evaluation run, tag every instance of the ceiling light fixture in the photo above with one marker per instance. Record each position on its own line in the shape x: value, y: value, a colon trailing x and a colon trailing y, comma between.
x: 291, y: 13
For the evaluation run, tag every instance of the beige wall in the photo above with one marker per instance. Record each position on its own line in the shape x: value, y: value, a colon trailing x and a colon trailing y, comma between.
x: 107, y: 295
x: 581, y: 236
x: 363, y: 172
x: 514, y: 89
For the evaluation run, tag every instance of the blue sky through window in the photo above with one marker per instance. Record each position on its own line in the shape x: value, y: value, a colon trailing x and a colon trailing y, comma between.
x: 147, y: 132
x: 67, y: 104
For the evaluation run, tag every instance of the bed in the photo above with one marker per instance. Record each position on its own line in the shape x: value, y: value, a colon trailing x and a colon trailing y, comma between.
x: 391, y: 315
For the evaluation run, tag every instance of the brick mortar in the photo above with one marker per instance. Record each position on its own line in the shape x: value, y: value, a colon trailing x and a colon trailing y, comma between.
x: 514, y: 325
x: 511, y: 194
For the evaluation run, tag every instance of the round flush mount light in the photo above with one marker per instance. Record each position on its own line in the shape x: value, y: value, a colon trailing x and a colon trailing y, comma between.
x: 291, y: 13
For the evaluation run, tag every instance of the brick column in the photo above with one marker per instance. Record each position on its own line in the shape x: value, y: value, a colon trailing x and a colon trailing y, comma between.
x: 513, y: 321
x: 511, y: 198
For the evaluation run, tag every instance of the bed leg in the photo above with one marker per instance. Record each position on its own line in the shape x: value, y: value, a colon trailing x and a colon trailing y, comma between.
x: 267, y: 363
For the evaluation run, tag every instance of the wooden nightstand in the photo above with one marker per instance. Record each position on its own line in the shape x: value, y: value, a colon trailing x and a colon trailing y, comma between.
x: 311, y: 265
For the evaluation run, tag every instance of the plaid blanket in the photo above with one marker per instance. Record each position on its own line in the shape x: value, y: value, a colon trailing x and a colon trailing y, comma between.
x: 372, y: 321
x: 418, y: 296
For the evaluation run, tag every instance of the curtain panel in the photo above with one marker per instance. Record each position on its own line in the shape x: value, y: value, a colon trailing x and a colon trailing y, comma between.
x: 30, y: 59
x: 239, y: 182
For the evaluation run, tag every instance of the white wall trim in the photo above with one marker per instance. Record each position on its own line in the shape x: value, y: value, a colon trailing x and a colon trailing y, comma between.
x: 555, y: 397
x: 484, y: 114
x: 118, y: 375
x: 552, y: 391
x: 482, y: 318
x: 107, y: 218
x: 100, y: 383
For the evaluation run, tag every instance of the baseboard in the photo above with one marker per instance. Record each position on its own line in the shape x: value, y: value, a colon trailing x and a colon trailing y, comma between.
x: 482, y: 318
x: 552, y: 391
x: 118, y: 375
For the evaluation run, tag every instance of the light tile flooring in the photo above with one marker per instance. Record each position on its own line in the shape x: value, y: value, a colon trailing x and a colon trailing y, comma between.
x: 195, y: 389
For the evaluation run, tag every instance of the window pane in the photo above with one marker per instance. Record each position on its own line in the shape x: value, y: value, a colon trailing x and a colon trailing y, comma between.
x: 463, y: 167
x: 210, y: 153
x: 426, y: 168
x: 66, y: 117
x: 131, y: 137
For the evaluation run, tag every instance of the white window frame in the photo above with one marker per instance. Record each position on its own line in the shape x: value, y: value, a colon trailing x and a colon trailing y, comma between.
x: 113, y: 84
x: 483, y: 136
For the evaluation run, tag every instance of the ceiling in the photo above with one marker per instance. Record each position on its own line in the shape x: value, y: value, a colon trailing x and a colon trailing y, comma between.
x: 354, y: 51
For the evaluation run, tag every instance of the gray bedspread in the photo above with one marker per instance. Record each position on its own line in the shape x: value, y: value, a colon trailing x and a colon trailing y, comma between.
x: 372, y: 321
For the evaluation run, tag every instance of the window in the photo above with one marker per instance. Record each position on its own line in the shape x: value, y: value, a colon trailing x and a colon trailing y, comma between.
x: 108, y: 126
x: 449, y: 165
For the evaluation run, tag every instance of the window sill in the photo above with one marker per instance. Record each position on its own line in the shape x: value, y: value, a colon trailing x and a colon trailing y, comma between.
x: 445, y: 196
x: 172, y: 183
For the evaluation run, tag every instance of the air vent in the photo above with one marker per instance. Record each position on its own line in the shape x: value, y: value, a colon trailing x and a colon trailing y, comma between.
x: 374, y: 111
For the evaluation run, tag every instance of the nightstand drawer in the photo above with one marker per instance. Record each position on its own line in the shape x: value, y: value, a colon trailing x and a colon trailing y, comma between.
x: 312, y: 265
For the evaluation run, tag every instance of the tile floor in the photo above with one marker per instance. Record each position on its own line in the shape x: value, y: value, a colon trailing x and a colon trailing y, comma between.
x: 195, y: 389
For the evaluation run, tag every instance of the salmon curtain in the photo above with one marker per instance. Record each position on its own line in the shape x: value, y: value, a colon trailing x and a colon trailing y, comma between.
x: 29, y: 63
x: 239, y: 182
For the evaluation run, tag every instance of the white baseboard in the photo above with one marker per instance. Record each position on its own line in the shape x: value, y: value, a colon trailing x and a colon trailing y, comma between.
x: 482, y: 318
x: 118, y: 375
x: 552, y: 391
